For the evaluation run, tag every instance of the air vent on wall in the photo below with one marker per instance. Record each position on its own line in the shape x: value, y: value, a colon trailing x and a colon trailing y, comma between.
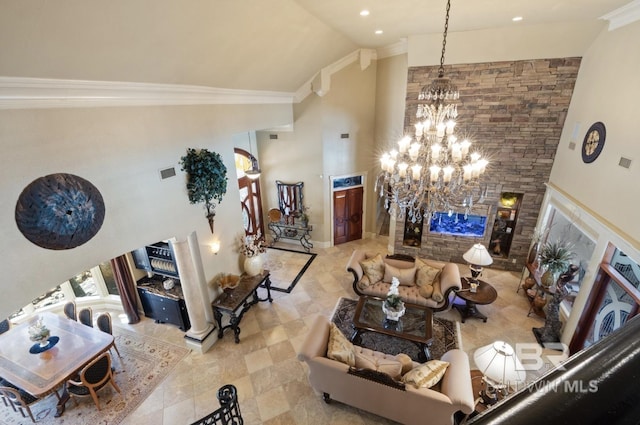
x: 273, y: 136
x: 167, y: 172
x: 344, y: 136
x: 572, y: 146
x: 624, y: 162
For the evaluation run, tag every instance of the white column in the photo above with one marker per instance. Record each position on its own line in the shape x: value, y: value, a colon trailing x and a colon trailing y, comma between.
x: 193, y: 285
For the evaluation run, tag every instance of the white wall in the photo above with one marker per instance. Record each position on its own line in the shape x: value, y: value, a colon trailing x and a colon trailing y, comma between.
x: 314, y: 150
x: 606, y: 90
x: 119, y: 150
x: 516, y: 42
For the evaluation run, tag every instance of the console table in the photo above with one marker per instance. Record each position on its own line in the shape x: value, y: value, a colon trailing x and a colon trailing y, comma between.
x: 281, y: 230
x: 232, y: 300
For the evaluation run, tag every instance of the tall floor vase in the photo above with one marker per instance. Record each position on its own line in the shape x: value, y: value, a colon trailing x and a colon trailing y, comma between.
x: 253, y: 265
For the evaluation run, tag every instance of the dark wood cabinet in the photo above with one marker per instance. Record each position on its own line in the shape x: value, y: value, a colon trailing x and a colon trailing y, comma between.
x: 164, y: 306
x: 347, y: 215
x: 157, y: 258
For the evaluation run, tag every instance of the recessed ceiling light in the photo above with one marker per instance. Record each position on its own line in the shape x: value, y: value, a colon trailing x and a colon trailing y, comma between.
x: 364, y: 12
x: 516, y: 18
x: 378, y: 32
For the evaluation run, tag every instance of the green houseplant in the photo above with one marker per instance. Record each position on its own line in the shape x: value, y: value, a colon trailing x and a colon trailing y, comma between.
x: 206, y: 179
x: 555, y: 257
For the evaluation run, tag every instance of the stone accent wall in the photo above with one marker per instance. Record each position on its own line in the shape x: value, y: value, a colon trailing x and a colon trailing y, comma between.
x: 514, y: 112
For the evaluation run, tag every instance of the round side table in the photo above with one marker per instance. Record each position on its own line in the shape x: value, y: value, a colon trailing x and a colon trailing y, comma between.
x: 485, y: 294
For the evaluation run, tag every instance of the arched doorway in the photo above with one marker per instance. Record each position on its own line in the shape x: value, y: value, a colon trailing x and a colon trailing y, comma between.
x: 250, y: 199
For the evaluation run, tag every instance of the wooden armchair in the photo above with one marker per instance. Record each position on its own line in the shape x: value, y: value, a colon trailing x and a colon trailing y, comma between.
x: 19, y: 399
x: 70, y: 310
x: 104, y: 324
x: 93, y: 377
x: 85, y: 316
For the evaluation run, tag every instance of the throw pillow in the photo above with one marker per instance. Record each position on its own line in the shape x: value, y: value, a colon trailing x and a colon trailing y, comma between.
x: 373, y: 268
x: 390, y: 366
x: 425, y: 274
x: 407, y: 363
x: 426, y: 291
x: 364, y: 283
x: 427, y: 374
x: 339, y: 347
x: 405, y: 276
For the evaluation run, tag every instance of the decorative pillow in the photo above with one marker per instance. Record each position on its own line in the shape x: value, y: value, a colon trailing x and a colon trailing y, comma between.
x: 364, y: 283
x: 339, y: 347
x: 437, y: 290
x: 373, y: 268
x: 425, y: 274
x: 426, y: 291
x: 405, y: 276
x: 427, y: 374
x: 407, y: 363
x: 390, y: 366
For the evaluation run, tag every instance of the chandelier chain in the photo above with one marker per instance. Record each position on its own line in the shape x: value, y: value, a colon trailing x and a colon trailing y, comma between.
x: 444, y: 40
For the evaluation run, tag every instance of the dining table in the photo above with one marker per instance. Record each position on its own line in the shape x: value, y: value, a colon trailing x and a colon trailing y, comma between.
x: 40, y: 371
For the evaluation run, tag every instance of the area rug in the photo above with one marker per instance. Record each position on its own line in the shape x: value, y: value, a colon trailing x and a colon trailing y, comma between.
x: 146, y: 362
x: 446, y: 334
x: 286, y: 267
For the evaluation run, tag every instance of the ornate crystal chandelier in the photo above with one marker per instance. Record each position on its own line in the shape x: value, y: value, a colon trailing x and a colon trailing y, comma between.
x: 432, y: 171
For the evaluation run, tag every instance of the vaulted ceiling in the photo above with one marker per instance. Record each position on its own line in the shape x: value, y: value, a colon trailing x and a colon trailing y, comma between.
x: 242, y: 44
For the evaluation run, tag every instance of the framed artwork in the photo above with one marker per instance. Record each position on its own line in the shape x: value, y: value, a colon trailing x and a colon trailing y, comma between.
x: 593, y: 142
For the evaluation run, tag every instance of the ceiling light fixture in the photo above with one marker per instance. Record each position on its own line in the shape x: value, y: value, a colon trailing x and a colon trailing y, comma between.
x: 432, y: 171
x: 516, y: 18
x: 378, y: 32
x: 364, y: 12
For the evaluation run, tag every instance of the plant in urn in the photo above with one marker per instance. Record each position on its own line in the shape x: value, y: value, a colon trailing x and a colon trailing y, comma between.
x: 393, y: 306
x: 38, y: 332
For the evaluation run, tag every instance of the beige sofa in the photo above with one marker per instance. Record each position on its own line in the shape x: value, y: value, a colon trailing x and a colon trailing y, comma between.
x: 403, y: 403
x: 423, y: 282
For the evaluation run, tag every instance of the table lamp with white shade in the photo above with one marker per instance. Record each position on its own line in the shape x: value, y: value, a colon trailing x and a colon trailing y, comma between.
x: 501, y: 369
x: 477, y: 256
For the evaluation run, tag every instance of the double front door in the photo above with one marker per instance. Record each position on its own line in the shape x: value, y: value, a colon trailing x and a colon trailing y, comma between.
x: 347, y: 215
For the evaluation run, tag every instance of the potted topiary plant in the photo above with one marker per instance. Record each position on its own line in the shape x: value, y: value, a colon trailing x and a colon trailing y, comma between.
x: 555, y: 257
x: 206, y: 179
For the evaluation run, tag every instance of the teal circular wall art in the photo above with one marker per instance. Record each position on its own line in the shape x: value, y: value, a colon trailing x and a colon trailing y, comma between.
x: 60, y: 211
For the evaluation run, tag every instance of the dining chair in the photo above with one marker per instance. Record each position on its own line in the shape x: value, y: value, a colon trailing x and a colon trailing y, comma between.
x: 85, y: 316
x: 70, y: 310
x: 104, y: 324
x: 93, y: 377
x: 5, y: 325
x: 18, y: 398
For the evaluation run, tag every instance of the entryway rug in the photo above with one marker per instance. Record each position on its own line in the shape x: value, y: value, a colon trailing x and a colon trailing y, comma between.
x: 286, y: 267
x: 446, y: 334
x: 146, y: 361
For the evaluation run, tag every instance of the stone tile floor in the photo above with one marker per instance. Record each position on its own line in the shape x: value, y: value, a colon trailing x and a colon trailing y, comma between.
x: 272, y: 384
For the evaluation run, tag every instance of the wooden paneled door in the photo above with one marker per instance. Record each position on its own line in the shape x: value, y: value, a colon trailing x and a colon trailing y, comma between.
x: 250, y: 199
x: 347, y: 215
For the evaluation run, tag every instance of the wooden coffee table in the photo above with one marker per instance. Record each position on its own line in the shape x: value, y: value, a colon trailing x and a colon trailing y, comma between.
x: 485, y: 294
x: 416, y: 325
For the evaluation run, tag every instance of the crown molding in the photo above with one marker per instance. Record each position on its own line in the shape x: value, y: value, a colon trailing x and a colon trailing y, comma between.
x: 624, y: 15
x: 30, y: 93
x: 399, y: 48
x: 320, y: 83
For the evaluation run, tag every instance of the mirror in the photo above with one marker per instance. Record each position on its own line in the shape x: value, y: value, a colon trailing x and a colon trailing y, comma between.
x: 290, y: 197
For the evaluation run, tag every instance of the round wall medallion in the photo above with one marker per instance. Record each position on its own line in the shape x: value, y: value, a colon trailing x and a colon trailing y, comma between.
x: 60, y: 211
x: 593, y: 142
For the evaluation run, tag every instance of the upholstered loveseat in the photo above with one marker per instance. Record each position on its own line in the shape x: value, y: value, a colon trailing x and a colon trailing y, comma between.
x: 423, y: 282
x: 379, y: 393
